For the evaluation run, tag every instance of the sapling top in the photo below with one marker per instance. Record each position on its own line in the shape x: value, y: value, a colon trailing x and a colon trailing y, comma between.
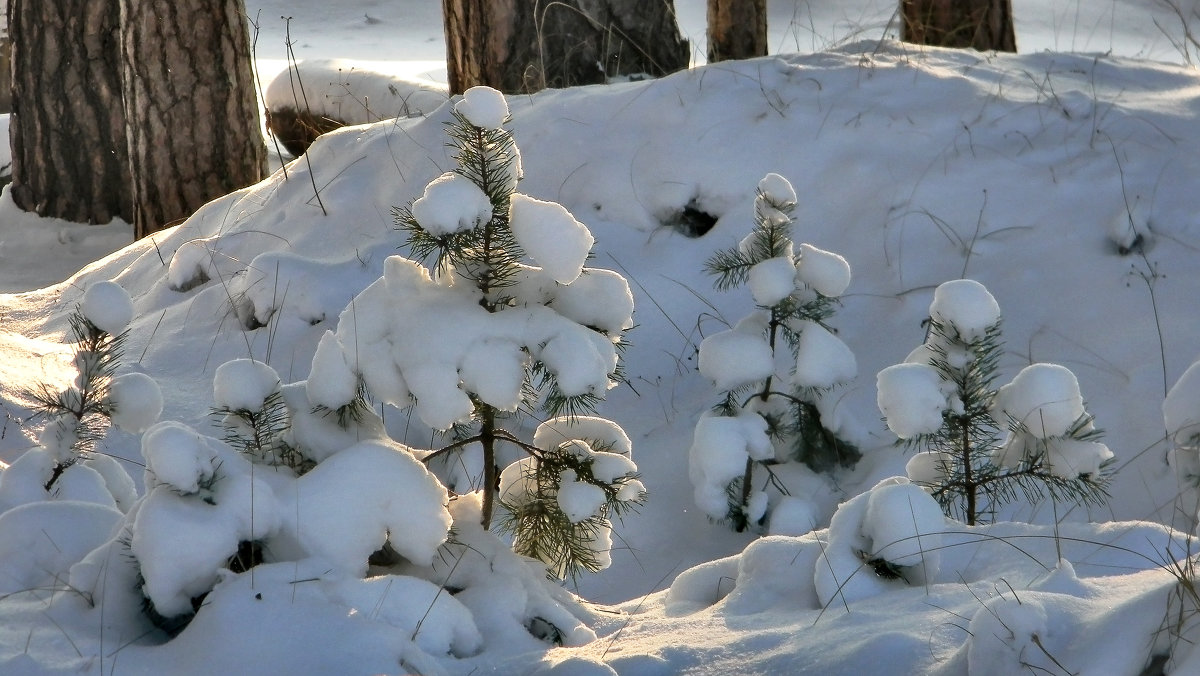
x: 795, y: 292
x: 942, y: 398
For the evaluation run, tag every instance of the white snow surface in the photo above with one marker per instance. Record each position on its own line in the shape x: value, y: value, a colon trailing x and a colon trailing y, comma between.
x: 1043, y: 399
x: 483, y: 107
x: 890, y: 148
x: 452, y: 203
x: 965, y: 306
x: 107, y: 306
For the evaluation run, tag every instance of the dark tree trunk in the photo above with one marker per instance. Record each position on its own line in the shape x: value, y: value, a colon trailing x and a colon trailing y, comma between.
x: 737, y: 29
x: 520, y: 46
x: 193, y: 117
x: 979, y: 24
x: 67, y: 129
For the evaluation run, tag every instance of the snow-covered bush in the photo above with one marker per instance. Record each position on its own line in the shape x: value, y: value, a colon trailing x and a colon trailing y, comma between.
x: 942, y: 399
x: 886, y: 538
x: 777, y: 406
x: 64, y: 466
x: 511, y: 320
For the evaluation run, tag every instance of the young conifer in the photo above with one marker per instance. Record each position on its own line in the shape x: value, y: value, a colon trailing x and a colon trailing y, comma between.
x: 983, y: 447
x: 518, y: 325
x: 795, y: 293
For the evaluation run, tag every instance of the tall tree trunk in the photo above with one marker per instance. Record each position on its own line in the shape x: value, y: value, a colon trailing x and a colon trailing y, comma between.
x: 979, y: 24
x: 737, y: 29
x: 67, y: 129
x: 520, y: 46
x: 193, y: 118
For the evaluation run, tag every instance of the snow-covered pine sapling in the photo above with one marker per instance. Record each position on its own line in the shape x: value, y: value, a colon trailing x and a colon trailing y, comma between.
x: 251, y: 408
x: 943, y: 399
x: 79, y: 415
x: 764, y: 406
x: 504, y: 321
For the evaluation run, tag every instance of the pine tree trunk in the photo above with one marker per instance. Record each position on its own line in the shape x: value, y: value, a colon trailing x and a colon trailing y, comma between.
x: 978, y: 24
x: 520, y: 46
x: 737, y: 29
x: 193, y: 117
x: 67, y: 129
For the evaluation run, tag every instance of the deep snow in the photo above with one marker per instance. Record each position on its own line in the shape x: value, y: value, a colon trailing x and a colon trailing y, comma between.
x: 917, y: 165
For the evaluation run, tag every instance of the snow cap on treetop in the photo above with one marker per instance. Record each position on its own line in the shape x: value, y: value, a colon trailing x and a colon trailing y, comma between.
x: 483, y: 107
x: 777, y: 189
x: 967, y: 306
x: 107, y: 306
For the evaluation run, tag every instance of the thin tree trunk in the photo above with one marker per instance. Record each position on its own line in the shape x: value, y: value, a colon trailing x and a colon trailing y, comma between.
x: 67, y: 129
x: 979, y: 24
x: 737, y: 29
x: 192, y: 113
x: 522, y: 46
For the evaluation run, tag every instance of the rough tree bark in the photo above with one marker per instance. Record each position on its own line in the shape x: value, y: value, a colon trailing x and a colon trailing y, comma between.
x: 67, y: 129
x: 192, y: 115
x: 979, y: 24
x: 737, y: 29
x: 520, y: 46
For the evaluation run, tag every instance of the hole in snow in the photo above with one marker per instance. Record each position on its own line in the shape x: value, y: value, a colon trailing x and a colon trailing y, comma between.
x: 691, y: 221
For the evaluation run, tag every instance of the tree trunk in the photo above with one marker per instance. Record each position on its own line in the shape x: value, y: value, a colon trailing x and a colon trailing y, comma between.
x: 520, y: 46
x: 194, y: 130
x: 979, y: 24
x: 737, y: 29
x: 67, y: 129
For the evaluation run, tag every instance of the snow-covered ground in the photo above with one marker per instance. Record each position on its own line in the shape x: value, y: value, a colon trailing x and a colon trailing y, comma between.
x: 1027, y: 173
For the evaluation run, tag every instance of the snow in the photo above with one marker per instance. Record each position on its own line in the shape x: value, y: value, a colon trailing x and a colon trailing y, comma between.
x: 452, y: 203
x: 912, y: 398
x: 483, y: 107
x: 772, y: 280
x: 822, y: 360
x: 1043, y: 399
x: 733, y: 359
x: 244, y: 384
x: 551, y: 236
x: 1181, y: 408
x: 107, y: 306
x: 965, y: 306
x: 1082, y: 141
x: 826, y: 272
x: 352, y: 92
x: 136, y: 401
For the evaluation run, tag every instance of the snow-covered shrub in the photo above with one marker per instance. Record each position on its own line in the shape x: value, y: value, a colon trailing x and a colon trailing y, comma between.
x: 887, y: 538
x: 777, y: 406
x: 63, y: 466
x: 511, y: 320
x: 943, y: 399
x: 252, y: 409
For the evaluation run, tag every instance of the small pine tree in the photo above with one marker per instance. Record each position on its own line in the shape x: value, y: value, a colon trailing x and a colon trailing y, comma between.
x: 498, y: 339
x: 795, y: 293
x: 943, y: 399
x: 80, y: 415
